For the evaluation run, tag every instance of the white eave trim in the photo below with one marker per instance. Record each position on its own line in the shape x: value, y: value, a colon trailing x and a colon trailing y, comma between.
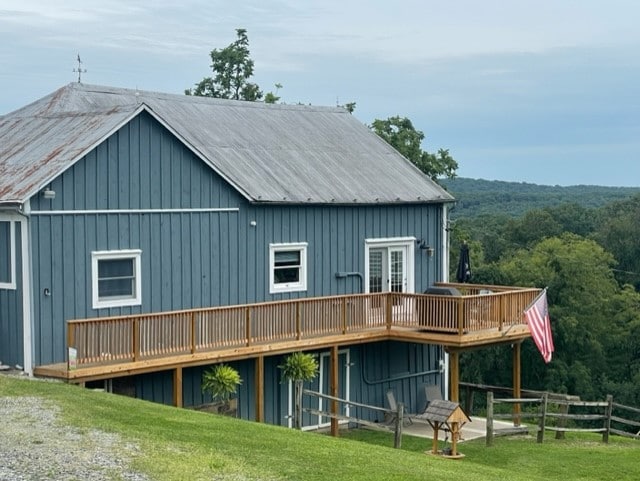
x: 135, y: 211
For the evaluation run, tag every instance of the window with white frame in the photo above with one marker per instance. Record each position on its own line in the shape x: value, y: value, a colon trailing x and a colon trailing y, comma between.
x: 115, y: 277
x: 7, y: 255
x: 287, y: 267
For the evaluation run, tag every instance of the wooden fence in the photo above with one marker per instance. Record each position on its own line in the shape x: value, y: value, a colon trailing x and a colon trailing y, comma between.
x: 397, y: 417
x: 598, y: 416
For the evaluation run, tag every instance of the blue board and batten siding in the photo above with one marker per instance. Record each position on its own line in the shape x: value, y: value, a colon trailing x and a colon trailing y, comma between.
x: 191, y: 258
x: 195, y: 258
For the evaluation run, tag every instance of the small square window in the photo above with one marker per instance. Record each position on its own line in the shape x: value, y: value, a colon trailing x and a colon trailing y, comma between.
x: 116, y: 278
x: 287, y: 267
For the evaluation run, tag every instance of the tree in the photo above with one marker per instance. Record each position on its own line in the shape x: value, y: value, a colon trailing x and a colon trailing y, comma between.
x: 273, y: 97
x: 400, y: 133
x: 233, y: 67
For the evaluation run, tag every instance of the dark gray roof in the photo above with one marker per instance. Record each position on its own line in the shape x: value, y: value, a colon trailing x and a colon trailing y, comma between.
x: 269, y: 153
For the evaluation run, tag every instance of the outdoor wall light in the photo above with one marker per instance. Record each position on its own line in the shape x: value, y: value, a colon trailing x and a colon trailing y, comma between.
x: 49, y: 194
x: 422, y: 244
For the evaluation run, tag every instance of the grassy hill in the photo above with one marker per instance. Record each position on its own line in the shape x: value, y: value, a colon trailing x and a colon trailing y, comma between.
x: 476, y: 196
x: 180, y: 444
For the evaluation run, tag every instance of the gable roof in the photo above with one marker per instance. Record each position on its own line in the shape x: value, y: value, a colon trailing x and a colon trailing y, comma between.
x: 269, y: 153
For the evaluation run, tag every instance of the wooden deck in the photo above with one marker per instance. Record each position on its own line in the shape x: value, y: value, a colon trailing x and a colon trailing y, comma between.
x: 124, y: 345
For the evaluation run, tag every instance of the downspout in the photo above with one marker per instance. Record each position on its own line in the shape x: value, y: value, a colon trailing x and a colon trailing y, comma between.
x: 24, y: 211
x: 445, y: 278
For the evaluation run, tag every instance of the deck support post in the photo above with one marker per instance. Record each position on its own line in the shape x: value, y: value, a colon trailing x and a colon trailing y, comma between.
x: 177, y: 387
x: 454, y: 376
x: 260, y: 389
x: 334, y: 390
x: 517, y: 388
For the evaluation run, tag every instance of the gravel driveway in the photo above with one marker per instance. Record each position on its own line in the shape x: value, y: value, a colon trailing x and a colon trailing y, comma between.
x: 35, y: 445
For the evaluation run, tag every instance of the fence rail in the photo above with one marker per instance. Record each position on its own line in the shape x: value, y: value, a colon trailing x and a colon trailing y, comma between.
x: 603, y: 415
x: 397, y: 416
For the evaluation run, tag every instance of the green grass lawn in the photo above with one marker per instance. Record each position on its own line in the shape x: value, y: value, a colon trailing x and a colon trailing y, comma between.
x: 181, y: 444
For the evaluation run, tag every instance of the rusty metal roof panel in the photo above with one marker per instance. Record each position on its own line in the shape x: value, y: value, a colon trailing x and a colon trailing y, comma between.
x: 270, y: 153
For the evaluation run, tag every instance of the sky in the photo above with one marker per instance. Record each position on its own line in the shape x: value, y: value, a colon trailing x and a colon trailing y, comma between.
x: 538, y: 91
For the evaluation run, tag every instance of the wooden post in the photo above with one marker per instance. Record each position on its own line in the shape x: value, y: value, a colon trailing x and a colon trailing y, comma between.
x: 388, y: 310
x: 434, y: 443
x: 468, y: 400
x: 460, y: 316
x: 333, y: 387
x: 489, y: 437
x: 298, y: 326
x: 135, y: 338
x: 298, y: 405
x: 259, y: 389
x: 71, y: 340
x: 607, y: 419
x: 562, y: 421
x: 343, y: 314
x: 397, y: 439
x: 247, y: 325
x: 454, y: 376
x: 177, y: 387
x: 543, y: 417
x: 516, y: 382
x: 193, y: 332
x: 454, y: 438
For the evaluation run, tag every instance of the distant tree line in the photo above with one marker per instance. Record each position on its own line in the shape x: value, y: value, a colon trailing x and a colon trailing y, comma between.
x: 589, y: 258
x: 477, y: 196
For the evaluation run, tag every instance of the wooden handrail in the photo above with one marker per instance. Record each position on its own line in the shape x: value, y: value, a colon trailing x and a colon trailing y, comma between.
x: 144, y: 336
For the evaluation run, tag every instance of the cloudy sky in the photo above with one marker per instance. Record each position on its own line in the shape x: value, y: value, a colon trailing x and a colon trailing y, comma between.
x: 542, y: 91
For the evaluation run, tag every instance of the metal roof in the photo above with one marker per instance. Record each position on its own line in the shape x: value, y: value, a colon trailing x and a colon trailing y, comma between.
x: 269, y: 153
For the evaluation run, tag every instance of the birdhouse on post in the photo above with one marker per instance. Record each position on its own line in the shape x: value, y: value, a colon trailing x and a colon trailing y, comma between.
x: 445, y: 416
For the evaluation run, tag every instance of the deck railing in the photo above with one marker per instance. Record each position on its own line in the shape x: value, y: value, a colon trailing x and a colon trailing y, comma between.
x: 165, y: 334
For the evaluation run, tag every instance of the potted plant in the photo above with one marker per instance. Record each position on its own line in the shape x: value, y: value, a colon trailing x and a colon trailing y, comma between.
x: 299, y: 367
x: 222, y: 382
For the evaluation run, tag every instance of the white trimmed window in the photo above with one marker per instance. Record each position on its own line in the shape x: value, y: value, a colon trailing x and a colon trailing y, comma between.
x: 7, y: 254
x: 287, y: 267
x: 115, y: 278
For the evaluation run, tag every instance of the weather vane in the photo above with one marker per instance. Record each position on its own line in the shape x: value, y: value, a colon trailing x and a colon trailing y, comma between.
x: 80, y: 70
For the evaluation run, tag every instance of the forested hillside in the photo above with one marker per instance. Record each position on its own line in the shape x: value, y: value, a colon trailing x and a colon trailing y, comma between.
x: 477, y: 196
x: 585, y: 248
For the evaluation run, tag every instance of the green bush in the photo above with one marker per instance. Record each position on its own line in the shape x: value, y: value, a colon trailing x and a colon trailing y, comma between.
x: 299, y: 366
x: 221, y: 381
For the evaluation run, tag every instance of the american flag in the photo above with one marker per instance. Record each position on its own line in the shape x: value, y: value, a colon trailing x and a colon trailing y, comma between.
x: 537, y: 318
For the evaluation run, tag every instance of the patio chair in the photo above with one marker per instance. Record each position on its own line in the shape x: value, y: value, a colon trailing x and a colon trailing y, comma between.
x: 431, y: 392
x: 393, y: 406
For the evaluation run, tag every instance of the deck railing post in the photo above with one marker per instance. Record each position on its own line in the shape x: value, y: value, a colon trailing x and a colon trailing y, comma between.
x: 388, y: 309
x: 461, y: 316
x: 298, y: 326
x: 343, y: 314
x: 247, y: 325
x: 71, y: 341
x: 501, y: 313
x: 193, y: 332
x: 136, y: 339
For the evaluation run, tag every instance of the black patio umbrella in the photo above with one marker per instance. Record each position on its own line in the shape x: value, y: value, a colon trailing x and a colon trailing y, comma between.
x: 464, y: 266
